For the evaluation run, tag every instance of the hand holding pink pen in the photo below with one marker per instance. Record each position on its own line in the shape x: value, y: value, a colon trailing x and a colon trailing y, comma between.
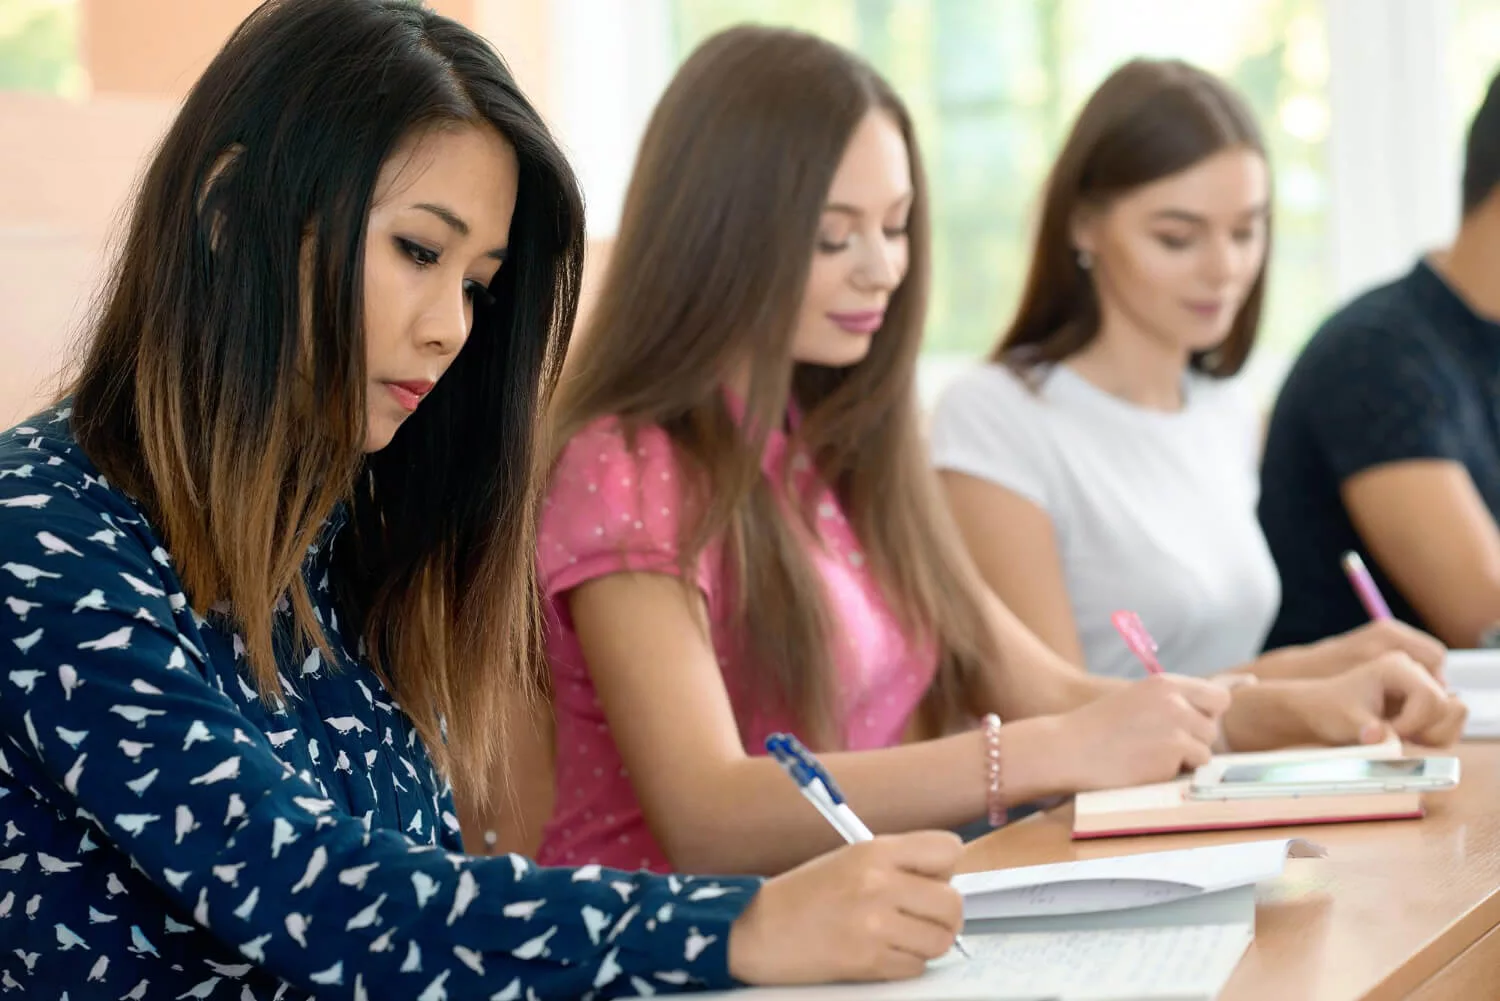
x: 1133, y: 631
x: 1364, y: 586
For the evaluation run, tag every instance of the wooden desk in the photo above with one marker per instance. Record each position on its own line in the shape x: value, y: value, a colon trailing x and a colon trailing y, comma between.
x: 1407, y: 908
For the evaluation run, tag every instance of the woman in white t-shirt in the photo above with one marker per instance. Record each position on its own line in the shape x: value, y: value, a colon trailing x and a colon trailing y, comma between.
x: 1104, y: 459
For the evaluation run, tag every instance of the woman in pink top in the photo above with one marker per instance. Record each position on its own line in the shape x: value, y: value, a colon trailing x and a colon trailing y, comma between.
x: 742, y: 534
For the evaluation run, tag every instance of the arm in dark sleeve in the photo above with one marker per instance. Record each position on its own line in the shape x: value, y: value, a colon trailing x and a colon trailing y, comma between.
x: 1379, y: 396
x: 224, y: 828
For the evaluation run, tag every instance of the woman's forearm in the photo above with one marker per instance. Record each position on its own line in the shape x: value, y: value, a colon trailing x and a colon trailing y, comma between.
x: 750, y: 818
x: 1031, y: 679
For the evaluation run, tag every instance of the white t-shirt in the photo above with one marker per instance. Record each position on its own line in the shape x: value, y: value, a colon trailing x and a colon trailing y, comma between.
x: 1154, y: 512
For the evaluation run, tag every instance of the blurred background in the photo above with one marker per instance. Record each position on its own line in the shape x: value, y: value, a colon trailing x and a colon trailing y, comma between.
x: 1363, y: 103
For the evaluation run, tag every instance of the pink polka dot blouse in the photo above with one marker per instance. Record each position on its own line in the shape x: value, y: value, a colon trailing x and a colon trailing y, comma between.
x: 611, y: 509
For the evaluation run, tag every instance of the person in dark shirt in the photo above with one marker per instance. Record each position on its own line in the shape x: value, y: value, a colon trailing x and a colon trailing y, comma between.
x: 1386, y: 439
x: 266, y: 586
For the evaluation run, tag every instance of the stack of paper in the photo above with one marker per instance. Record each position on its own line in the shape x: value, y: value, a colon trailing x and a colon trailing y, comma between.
x: 1474, y: 676
x: 1143, y: 964
x: 1127, y: 882
x: 1163, y: 926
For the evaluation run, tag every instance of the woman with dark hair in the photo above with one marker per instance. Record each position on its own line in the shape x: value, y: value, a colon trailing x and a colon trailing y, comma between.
x: 266, y: 573
x: 1105, y: 458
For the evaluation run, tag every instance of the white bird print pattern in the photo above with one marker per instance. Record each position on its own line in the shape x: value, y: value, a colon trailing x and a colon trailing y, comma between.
x: 27, y: 574
x: 19, y: 607
x: 280, y: 822
x: 52, y: 544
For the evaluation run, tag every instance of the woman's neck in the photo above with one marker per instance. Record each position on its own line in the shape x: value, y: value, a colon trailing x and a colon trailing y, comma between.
x: 1131, y: 365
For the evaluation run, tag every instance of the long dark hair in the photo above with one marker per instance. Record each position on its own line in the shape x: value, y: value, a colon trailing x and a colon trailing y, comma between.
x: 224, y: 384
x: 1149, y: 119
x: 709, y: 269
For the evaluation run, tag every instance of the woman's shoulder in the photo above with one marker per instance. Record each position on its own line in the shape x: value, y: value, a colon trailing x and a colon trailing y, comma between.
x: 46, y: 478
x: 609, y: 451
x: 989, y: 399
x: 989, y: 385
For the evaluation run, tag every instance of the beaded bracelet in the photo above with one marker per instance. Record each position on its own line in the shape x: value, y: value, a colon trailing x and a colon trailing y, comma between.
x: 994, y: 797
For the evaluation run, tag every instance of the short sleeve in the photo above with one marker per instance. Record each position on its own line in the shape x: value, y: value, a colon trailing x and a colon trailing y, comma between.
x: 613, y: 506
x: 1380, y: 395
x: 988, y: 425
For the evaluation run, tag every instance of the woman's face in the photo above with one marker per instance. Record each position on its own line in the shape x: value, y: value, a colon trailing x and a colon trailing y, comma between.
x: 436, y: 236
x: 861, y: 254
x: 1173, y: 261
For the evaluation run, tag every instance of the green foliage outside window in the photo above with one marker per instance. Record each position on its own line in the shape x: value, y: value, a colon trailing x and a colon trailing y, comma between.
x: 39, y: 46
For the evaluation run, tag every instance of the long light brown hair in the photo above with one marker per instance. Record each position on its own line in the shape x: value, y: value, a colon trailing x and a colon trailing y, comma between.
x: 224, y: 384
x: 1150, y: 119
x: 709, y: 269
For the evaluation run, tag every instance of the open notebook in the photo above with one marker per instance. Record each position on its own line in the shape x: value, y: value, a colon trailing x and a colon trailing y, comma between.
x: 1166, y: 806
x: 1163, y: 926
x: 1474, y: 676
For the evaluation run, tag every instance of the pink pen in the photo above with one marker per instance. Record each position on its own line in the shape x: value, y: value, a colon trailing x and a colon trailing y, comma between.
x: 1133, y: 631
x: 1364, y: 586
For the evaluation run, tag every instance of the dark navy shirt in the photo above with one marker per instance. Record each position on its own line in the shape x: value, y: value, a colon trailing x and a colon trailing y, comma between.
x: 1405, y: 372
x: 164, y: 833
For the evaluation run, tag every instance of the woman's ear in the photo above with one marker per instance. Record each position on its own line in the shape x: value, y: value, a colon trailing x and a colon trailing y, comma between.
x: 225, y: 160
x: 1082, y: 231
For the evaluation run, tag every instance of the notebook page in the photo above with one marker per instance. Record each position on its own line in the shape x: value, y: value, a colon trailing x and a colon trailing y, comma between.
x: 1216, y: 867
x: 1155, y: 964
x: 1467, y: 669
x: 1066, y: 897
x: 1484, y: 712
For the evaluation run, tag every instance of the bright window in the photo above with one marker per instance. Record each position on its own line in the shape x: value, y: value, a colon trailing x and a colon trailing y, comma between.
x: 39, y: 46
x: 993, y: 84
x: 1475, y: 58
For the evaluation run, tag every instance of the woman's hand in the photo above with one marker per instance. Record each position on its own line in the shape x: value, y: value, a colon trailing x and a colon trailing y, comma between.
x: 872, y: 911
x: 1337, y: 654
x: 1147, y: 732
x: 1362, y: 705
x: 1391, y: 693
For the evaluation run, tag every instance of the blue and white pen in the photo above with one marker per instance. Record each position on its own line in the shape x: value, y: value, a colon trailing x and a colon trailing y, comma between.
x: 819, y: 789
x: 818, y: 786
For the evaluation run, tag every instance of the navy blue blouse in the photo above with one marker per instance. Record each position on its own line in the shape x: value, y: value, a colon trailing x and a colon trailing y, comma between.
x: 166, y: 834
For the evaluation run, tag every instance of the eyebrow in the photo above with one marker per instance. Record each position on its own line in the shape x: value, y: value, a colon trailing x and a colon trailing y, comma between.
x: 456, y: 223
x: 1180, y: 215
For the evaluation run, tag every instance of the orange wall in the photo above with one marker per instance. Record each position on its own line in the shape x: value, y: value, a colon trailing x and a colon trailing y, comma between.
x: 67, y: 167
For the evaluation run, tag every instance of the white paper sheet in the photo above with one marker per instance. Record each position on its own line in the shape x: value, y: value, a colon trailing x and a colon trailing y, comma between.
x: 1156, y: 964
x: 1474, y: 676
x: 1125, y: 881
x: 1484, y: 712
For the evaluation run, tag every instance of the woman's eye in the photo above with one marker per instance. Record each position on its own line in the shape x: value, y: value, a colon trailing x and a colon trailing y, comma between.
x: 477, y: 292
x: 420, y: 255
